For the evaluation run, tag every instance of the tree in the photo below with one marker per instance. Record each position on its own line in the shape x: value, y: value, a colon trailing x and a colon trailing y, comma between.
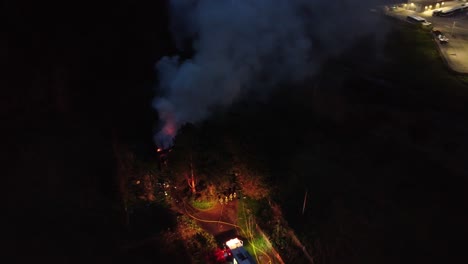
x: 192, y: 182
x: 181, y: 160
x: 200, y: 159
x: 249, y: 169
x: 251, y: 182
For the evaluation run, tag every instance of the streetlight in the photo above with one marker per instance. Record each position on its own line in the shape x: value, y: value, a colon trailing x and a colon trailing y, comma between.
x: 453, y: 25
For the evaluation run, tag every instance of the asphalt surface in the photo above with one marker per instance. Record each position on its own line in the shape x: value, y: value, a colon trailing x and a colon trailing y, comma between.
x: 455, y: 28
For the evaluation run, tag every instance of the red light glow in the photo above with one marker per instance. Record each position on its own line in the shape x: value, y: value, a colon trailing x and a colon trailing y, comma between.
x: 219, y: 254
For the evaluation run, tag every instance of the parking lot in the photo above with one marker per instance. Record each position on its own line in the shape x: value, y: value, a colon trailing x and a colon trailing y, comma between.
x: 455, y: 28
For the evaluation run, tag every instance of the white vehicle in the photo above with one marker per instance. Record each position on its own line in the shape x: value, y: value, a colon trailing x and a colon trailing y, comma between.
x: 418, y: 20
x: 239, y: 254
x: 453, y: 11
x: 443, y: 39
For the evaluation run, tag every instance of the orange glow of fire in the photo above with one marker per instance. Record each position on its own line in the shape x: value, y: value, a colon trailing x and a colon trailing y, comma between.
x: 158, y: 150
x: 167, y: 133
x: 170, y: 128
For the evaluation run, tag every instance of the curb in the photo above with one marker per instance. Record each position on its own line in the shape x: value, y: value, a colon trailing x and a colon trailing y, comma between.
x: 444, y: 58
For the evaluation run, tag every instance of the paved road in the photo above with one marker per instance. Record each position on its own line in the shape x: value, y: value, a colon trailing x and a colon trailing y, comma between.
x: 460, y: 28
x: 455, y: 52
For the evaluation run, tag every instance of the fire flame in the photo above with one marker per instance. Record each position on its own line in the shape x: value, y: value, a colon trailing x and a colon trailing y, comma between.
x: 169, y: 124
x: 167, y: 133
x: 169, y: 128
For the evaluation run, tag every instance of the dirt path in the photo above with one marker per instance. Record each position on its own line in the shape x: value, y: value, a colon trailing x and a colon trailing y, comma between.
x: 217, y: 220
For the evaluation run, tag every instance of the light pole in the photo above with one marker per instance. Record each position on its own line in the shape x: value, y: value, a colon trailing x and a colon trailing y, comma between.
x: 453, y: 25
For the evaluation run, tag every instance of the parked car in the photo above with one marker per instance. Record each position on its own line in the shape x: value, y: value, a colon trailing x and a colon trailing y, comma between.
x: 436, y: 12
x: 443, y: 39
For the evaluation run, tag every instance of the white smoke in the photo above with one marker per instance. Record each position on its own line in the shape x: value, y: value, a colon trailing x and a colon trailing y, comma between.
x: 237, y: 41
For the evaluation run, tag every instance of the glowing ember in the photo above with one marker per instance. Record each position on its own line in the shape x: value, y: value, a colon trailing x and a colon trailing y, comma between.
x: 158, y: 150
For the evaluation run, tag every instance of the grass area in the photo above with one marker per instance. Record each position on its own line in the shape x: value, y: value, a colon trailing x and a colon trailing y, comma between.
x: 410, y: 119
x: 464, y: 79
x: 203, y: 205
x: 244, y: 216
x: 416, y: 61
x: 256, y: 245
x: 259, y: 243
x: 248, y: 210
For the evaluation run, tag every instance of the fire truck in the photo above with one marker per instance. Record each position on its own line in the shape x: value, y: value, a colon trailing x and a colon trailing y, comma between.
x: 238, y: 252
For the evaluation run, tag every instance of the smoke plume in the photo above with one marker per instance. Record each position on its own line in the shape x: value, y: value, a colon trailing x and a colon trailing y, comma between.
x: 249, y: 44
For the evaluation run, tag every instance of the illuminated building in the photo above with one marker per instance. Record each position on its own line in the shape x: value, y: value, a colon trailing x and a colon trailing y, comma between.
x: 423, y: 5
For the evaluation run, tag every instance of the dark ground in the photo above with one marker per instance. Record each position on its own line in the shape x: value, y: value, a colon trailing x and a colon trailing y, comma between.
x: 78, y: 81
x: 379, y: 143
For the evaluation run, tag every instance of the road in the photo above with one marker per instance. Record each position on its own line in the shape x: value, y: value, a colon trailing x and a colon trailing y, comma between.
x: 455, y: 53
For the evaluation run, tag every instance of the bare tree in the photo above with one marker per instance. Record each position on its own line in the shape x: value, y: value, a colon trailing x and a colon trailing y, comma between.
x: 191, y: 181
